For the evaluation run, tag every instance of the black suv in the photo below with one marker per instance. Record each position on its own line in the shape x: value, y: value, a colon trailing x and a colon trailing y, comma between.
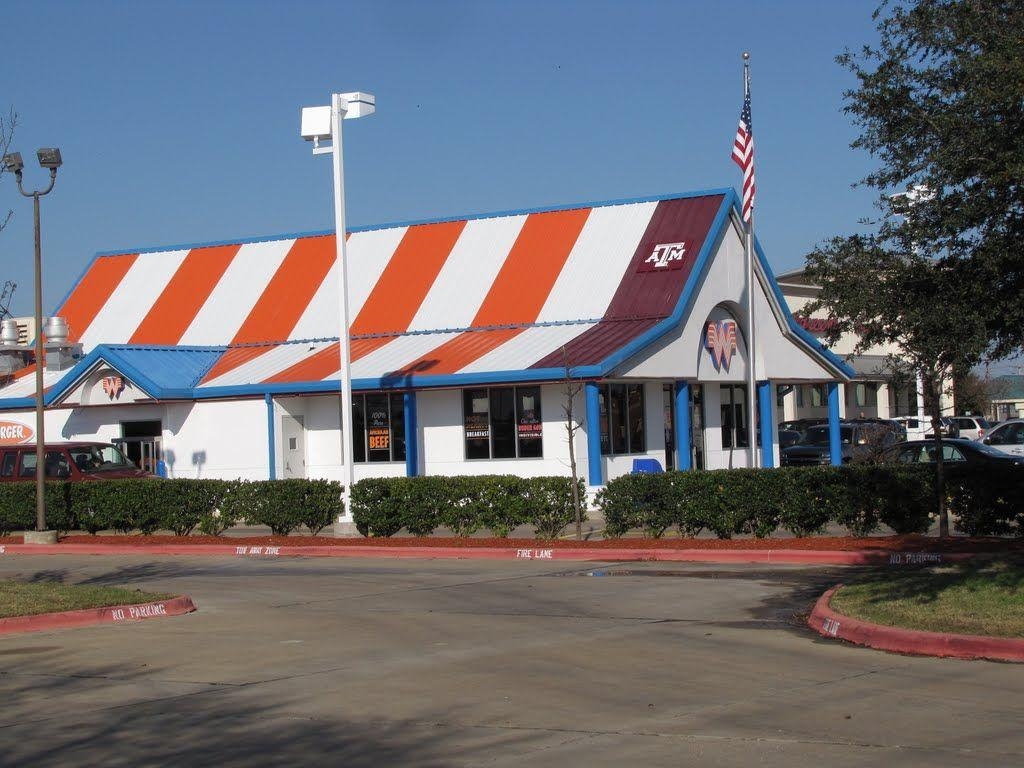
x: 860, y: 440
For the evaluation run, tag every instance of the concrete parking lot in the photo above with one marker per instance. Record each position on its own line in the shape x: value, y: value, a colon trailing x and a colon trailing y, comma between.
x: 453, y: 663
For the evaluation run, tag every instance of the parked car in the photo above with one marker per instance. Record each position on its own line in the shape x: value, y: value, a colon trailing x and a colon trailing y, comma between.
x: 971, y: 427
x: 947, y: 427
x: 955, y: 450
x: 1007, y: 437
x: 859, y: 441
x: 800, y: 425
x: 68, y: 461
x: 914, y: 427
x: 788, y: 437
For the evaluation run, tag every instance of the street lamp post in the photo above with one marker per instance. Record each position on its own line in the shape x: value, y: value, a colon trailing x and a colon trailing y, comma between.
x: 48, y: 158
x: 320, y: 124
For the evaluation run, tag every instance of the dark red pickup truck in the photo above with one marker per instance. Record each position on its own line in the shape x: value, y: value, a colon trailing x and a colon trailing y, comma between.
x: 68, y: 461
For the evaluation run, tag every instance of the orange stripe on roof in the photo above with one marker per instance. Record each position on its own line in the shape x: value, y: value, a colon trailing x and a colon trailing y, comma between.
x: 189, y: 288
x: 314, y: 368
x: 412, y: 269
x: 233, y: 358
x: 518, y: 293
x: 289, y: 291
x: 531, y: 268
x: 93, y: 291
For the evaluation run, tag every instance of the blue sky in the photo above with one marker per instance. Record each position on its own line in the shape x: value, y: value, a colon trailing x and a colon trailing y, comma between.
x: 178, y: 121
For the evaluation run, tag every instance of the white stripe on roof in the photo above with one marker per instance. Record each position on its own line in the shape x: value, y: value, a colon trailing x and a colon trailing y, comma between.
x: 132, y: 299
x: 237, y: 292
x: 270, y: 363
x: 368, y: 255
x: 594, y: 269
x: 322, y: 316
x: 467, y: 274
x: 397, y: 354
x: 526, y: 348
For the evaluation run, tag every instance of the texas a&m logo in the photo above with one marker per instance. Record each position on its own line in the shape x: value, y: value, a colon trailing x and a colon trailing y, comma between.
x: 720, y: 341
x: 665, y: 256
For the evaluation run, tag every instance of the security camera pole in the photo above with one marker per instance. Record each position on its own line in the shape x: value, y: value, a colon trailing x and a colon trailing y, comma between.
x: 48, y: 158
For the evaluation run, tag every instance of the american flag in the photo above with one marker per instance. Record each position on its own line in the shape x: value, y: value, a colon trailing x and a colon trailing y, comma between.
x: 743, y: 154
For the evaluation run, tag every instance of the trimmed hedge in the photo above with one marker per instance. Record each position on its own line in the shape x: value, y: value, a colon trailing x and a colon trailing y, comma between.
x: 180, y: 506
x: 383, y: 506
x: 801, y: 500
x: 989, y: 503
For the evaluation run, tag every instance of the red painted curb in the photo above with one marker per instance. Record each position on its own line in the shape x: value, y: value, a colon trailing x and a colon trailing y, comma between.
x: 780, y: 556
x: 118, y: 614
x: 831, y: 624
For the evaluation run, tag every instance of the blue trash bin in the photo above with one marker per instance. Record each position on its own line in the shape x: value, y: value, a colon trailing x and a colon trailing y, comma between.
x: 646, y: 465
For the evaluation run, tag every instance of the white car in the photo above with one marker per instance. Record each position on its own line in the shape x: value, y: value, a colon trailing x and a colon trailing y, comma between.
x: 915, y: 427
x: 971, y: 427
x: 1007, y: 437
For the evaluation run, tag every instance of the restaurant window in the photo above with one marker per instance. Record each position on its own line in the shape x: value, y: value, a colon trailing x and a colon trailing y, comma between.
x: 378, y: 427
x: 734, y: 416
x: 819, y: 395
x: 622, y: 418
x: 502, y: 423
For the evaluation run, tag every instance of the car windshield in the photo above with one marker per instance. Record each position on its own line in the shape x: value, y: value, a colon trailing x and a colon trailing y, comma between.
x: 819, y: 435
x: 99, y: 458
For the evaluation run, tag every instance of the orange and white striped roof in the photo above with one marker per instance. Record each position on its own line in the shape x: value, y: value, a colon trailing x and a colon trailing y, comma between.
x: 468, y: 297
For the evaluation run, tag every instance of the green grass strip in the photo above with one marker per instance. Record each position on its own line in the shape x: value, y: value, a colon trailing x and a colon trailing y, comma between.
x: 18, y: 599
x: 982, y: 597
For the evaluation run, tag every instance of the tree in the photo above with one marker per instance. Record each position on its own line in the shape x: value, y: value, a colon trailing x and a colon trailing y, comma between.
x: 570, y: 391
x: 940, y: 105
x: 7, y: 125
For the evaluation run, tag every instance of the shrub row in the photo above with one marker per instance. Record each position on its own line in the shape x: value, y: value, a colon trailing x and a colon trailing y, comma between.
x: 384, y: 506
x: 801, y: 500
x: 989, y: 503
x: 180, y: 506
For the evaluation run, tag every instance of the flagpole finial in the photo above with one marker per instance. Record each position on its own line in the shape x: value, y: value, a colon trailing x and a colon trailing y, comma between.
x: 746, y: 55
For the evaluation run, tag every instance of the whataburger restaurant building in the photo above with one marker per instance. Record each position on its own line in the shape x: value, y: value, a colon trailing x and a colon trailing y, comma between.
x: 222, y: 360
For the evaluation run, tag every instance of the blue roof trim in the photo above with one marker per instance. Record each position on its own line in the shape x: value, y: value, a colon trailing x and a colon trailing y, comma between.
x: 416, y: 222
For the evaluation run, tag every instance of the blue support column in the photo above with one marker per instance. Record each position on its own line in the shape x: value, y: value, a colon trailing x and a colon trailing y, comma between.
x: 682, y: 426
x: 595, y: 470
x: 412, y: 443
x: 271, y: 438
x: 764, y: 407
x: 835, y: 445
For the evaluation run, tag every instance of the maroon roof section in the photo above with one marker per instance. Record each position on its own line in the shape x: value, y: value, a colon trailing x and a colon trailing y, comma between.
x: 648, y: 293
x: 595, y: 344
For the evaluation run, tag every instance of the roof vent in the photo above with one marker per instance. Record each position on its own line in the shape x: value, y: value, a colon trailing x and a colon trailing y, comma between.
x: 56, y: 330
x: 9, y: 333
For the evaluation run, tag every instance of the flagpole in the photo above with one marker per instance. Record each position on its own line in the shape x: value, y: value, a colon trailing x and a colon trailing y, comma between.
x: 749, y: 249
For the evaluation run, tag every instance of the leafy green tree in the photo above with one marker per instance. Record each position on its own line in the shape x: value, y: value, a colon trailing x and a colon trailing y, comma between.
x: 940, y: 105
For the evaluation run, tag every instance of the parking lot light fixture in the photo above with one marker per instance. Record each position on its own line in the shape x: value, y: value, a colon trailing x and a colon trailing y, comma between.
x: 320, y: 124
x: 49, y: 158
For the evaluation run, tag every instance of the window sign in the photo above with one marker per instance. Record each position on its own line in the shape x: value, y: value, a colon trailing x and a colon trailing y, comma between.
x: 502, y: 423
x: 378, y: 422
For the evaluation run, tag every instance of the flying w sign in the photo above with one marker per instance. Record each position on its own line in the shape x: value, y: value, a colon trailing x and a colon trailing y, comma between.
x: 720, y: 342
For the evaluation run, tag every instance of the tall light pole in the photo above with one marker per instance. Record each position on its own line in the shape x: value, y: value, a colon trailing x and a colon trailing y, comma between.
x: 320, y: 124
x: 48, y: 158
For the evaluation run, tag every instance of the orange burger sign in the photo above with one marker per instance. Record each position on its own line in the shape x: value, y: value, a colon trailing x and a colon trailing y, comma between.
x: 15, y: 433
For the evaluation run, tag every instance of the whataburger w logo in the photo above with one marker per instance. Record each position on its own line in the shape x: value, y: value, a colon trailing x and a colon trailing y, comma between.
x: 665, y: 256
x: 720, y: 341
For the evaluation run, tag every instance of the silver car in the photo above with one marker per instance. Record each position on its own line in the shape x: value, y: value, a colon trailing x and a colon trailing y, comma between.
x: 1007, y: 437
